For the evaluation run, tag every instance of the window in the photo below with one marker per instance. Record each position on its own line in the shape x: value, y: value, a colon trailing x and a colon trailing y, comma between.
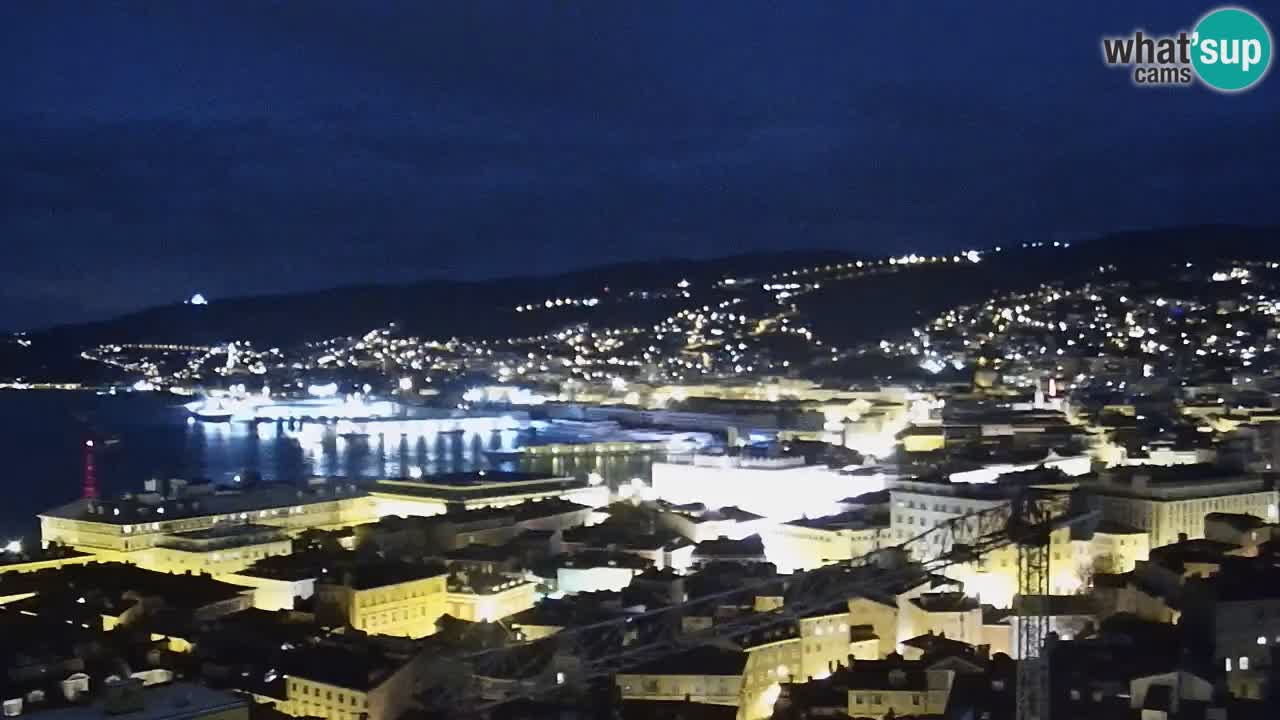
x: 1244, y: 662
x: 857, y: 699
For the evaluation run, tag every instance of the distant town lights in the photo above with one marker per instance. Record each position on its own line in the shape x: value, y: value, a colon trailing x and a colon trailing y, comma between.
x: 13, y: 546
x: 197, y: 299
x: 406, y: 384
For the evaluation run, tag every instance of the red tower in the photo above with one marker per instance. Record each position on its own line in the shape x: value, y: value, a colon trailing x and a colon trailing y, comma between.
x: 90, y: 488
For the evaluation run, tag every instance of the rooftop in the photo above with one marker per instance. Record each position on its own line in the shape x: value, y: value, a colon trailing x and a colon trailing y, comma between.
x: 749, y: 547
x: 115, y: 580
x: 41, y: 555
x: 604, y: 558
x: 159, y: 702
x: 702, y: 660
x: 945, y: 602
x: 851, y: 520
x: 479, y: 478
x: 1176, y: 481
x: 147, y: 507
x: 475, y: 485
x: 360, y: 669
x: 1237, y: 521
x: 368, y: 575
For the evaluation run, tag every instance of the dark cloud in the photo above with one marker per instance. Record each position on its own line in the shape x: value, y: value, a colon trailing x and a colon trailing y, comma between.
x: 151, y: 149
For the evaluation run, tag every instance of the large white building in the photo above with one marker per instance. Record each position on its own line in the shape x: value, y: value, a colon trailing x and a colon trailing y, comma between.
x: 436, y: 494
x: 127, y: 529
x: 1172, y: 502
x: 779, y: 488
x: 918, y: 506
x: 810, y: 543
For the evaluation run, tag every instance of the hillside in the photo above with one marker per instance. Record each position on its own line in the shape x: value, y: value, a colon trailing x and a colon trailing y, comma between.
x: 834, y: 296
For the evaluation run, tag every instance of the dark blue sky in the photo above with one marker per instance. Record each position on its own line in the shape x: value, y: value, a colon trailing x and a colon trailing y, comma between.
x: 152, y: 149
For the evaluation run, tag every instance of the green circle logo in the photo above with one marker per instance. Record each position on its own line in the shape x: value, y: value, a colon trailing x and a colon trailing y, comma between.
x: 1231, y: 49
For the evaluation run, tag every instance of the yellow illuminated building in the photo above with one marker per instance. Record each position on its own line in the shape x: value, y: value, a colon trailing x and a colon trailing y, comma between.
x: 1170, y: 503
x: 337, y: 683
x: 489, y: 602
x: 116, y: 529
x: 216, y: 551
x: 903, y: 691
x: 401, y: 600
x: 813, y: 542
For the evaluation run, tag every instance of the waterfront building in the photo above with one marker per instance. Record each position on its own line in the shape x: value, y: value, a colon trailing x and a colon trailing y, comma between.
x: 118, y: 529
x: 778, y: 488
x: 437, y: 494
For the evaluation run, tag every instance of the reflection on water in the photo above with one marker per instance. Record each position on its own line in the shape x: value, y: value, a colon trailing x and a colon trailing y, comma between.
x: 285, y: 452
x: 43, y: 446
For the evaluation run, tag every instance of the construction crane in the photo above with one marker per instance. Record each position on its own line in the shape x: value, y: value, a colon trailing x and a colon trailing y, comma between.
x: 1031, y: 522
x: 458, y: 684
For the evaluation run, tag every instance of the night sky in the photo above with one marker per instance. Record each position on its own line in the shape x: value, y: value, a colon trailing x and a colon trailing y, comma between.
x: 149, y: 150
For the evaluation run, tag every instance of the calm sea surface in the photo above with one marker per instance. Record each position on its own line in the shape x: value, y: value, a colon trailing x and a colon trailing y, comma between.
x: 42, y: 437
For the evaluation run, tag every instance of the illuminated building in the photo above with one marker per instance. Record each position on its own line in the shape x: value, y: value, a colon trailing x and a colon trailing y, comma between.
x: 384, y: 599
x: 1115, y: 548
x: 1242, y: 609
x: 920, y: 504
x: 119, y: 528
x: 661, y: 548
x: 809, y: 543
x: 552, y: 615
x: 477, y: 598
x: 1070, y: 616
x: 706, y: 674
x: 825, y: 641
x: 779, y: 488
x: 773, y: 657
x: 748, y: 550
x: 596, y: 570
x: 436, y: 494
x: 1247, y: 531
x: 277, y: 581
x: 1170, y: 503
x: 748, y: 675
x: 923, y: 438
x: 342, y: 683
x: 698, y: 523
x: 897, y: 688
x: 215, y: 550
x: 952, y: 614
